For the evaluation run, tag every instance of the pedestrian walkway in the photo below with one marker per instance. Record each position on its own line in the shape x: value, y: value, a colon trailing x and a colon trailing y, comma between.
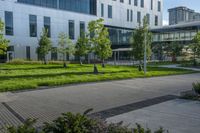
x: 176, y: 116
x: 48, y: 104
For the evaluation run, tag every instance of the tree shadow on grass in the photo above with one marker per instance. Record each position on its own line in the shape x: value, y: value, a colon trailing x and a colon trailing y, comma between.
x: 2, y: 78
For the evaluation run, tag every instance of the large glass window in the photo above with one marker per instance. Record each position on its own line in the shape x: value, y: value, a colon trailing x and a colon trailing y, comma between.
x: 120, y: 36
x: 102, y: 10
x: 47, y: 25
x: 139, y: 17
x: 151, y: 4
x: 33, y: 25
x: 127, y: 14
x: 159, y: 6
x: 142, y: 3
x: 83, y: 6
x: 156, y: 20
x: 71, y: 29
x: 135, y: 2
x: 82, y: 29
x: 109, y: 11
x: 8, y: 23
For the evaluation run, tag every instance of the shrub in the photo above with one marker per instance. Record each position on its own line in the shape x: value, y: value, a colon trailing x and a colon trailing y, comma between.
x: 32, y: 62
x: 27, y: 127
x: 23, y: 62
x: 78, y: 123
x: 196, y: 88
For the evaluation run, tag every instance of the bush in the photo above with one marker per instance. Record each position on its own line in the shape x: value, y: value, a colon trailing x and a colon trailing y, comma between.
x: 27, y: 127
x: 196, y: 88
x: 23, y: 62
x: 77, y: 123
x: 32, y: 62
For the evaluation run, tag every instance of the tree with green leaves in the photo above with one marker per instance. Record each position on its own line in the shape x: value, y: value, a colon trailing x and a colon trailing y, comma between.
x: 99, y: 38
x: 65, y: 47
x: 82, y: 47
x: 174, y: 49
x: 3, y: 42
x: 138, y: 41
x: 158, y: 50
x: 195, y: 47
x: 44, y: 47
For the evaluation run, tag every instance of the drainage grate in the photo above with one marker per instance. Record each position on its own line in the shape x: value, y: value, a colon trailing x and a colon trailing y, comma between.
x: 131, y: 107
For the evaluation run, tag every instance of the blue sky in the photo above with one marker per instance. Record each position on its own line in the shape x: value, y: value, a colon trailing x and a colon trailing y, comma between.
x: 193, y: 4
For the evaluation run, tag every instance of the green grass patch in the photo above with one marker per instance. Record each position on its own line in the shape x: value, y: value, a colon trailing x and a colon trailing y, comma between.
x: 27, y: 76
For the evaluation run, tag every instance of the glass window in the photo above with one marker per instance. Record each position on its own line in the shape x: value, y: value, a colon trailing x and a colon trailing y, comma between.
x: 135, y: 2
x: 142, y: 3
x: 83, y: 6
x: 127, y: 14
x: 102, y: 10
x: 139, y: 17
x: 33, y: 25
x: 148, y: 18
x: 156, y: 20
x: 159, y: 6
x: 109, y: 11
x: 9, y: 23
x: 131, y: 15
x: 71, y: 29
x: 82, y: 29
x: 47, y: 25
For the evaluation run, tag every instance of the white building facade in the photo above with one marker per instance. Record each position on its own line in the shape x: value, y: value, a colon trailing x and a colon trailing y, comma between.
x: 25, y: 19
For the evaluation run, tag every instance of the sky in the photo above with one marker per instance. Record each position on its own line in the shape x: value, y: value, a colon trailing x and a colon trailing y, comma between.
x: 193, y: 4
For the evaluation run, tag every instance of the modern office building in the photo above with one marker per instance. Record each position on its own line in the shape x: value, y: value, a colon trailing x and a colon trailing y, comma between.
x: 179, y: 33
x: 25, y: 19
x: 181, y: 14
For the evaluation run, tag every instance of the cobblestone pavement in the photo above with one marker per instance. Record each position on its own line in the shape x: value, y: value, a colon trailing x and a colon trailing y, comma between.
x: 47, y: 104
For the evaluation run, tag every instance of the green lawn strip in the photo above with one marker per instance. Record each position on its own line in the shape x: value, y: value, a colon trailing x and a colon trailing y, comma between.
x: 20, y: 77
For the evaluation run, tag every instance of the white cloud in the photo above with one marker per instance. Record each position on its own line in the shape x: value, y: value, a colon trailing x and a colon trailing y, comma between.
x: 165, y: 22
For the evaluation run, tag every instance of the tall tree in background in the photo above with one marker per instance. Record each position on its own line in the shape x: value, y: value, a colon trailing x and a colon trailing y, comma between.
x: 99, y: 38
x: 138, y: 41
x: 195, y: 46
x: 3, y: 42
x: 65, y: 47
x: 44, y: 47
x: 82, y: 47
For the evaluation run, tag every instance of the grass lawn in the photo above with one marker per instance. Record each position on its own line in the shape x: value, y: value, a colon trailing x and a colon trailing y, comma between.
x: 20, y: 77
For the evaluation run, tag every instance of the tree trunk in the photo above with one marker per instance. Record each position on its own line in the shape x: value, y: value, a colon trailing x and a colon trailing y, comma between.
x: 80, y: 61
x: 173, y: 58
x: 140, y: 66
x: 45, y: 61
x: 64, y: 62
x: 95, y: 69
x: 103, y: 64
x: 195, y: 59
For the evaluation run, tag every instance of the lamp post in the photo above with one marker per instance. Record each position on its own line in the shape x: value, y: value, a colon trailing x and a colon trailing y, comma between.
x: 145, y: 54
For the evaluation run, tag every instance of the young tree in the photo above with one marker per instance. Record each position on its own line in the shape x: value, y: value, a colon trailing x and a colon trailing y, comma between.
x: 82, y: 47
x: 44, y: 47
x: 99, y: 38
x: 65, y: 47
x: 195, y: 46
x: 158, y: 50
x: 174, y: 49
x: 138, y: 41
x: 3, y: 42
